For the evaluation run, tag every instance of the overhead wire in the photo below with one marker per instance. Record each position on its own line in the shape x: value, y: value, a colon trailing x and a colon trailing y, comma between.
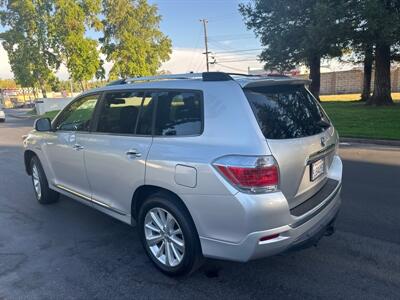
x: 197, y: 53
x: 232, y: 68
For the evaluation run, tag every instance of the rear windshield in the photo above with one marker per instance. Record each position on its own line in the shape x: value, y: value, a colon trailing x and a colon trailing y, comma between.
x: 286, y: 111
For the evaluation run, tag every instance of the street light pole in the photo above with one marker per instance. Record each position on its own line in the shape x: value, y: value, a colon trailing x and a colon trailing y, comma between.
x: 204, y: 21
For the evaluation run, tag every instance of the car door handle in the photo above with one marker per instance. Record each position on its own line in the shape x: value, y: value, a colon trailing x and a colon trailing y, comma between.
x: 133, y: 152
x: 77, y: 147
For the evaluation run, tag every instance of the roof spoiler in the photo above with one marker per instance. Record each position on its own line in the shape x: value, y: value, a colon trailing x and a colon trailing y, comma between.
x: 274, y: 81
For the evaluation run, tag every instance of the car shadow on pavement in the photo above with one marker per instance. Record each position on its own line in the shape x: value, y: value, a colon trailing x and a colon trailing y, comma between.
x: 69, y: 250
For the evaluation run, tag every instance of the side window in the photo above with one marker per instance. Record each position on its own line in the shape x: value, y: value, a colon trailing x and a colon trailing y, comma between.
x: 145, y: 122
x: 119, y: 112
x: 179, y: 113
x: 78, y: 115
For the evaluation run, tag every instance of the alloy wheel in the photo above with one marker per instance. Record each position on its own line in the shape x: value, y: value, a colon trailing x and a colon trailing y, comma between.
x: 36, y: 181
x: 164, y: 237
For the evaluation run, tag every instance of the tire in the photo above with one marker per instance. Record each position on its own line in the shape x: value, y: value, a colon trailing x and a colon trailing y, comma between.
x: 159, y: 205
x: 44, y: 195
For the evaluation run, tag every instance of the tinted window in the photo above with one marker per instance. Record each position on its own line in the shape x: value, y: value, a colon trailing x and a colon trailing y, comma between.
x: 146, y: 115
x: 78, y: 115
x: 285, y: 112
x: 119, y: 112
x: 179, y: 113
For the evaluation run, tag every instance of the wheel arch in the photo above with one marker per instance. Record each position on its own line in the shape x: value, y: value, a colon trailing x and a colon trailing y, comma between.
x: 28, y: 154
x: 144, y: 191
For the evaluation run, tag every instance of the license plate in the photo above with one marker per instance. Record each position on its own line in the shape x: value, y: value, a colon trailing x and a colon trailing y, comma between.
x: 317, y: 168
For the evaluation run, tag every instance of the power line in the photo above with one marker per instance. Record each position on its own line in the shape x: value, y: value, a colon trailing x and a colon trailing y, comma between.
x: 231, y: 35
x: 242, y: 50
x: 231, y: 39
x: 238, y: 60
x: 198, y: 66
x: 197, y: 61
x: 237, y: 55
x: 232, y: 68
x: 222, y: 46
x: 196, y: 54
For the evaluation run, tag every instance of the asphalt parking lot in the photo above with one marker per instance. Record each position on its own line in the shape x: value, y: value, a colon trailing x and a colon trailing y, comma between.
x: 69, y: 250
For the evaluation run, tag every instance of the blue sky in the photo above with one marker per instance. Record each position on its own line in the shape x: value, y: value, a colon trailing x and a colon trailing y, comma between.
x: 226, y: 30
x: 228, y: 37
x: 180, y: 21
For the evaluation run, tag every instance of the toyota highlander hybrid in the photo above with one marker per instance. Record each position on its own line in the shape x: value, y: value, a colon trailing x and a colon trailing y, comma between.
x: 214, y: 165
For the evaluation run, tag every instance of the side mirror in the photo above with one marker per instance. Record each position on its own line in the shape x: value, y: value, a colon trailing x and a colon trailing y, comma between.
x: 42, y: 124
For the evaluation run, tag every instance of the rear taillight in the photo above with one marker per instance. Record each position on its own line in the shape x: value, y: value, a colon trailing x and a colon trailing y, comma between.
x: 255, y: 174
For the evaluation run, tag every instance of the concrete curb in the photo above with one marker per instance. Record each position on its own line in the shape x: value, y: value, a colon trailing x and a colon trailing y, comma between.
x: 394, y: 143
x: 22, y: 116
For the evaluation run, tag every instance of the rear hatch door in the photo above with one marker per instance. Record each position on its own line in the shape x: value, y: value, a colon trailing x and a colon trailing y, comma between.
x: 299, y: 135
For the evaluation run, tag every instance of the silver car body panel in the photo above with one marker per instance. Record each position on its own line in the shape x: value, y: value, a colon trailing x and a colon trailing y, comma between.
x: 113, y: 173
x: 229, y: 222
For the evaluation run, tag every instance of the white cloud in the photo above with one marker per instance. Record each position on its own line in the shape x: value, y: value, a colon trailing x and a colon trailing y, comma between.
x: 5, y: 69
x: 182, y: 60
x: 185, y: 60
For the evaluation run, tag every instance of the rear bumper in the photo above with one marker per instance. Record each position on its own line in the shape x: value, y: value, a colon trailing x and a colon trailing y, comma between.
x: 290, y: 237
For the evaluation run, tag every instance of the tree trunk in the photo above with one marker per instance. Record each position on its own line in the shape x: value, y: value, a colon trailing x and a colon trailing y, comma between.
x: 23, y: 93
x: 314, y: 63
x: 82, y: 87
x: 42, y: 88
x: 34, y: 92
x: 382, y: 86
x: 71, y: 87
x: 368, y: 61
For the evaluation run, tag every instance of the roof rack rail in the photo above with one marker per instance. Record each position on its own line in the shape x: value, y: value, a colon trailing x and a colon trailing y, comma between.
x: 242, y: 74
x: 116, y: 82
x: 277, y: 75
x: 205, y: 76
x: 163, y: 77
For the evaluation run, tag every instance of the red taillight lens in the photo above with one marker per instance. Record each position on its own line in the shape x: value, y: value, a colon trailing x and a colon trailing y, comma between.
x: 269, y: 237
x: 256, y: 174
x: 251, y: 177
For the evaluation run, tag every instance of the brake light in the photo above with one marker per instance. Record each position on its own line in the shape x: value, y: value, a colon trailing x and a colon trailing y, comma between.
x: 256, y: 174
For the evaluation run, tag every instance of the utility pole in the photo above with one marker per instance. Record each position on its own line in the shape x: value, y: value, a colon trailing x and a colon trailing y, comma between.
x: 204, y: 21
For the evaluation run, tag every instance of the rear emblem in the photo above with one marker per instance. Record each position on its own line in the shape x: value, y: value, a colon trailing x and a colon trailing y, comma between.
x: 323, y: 143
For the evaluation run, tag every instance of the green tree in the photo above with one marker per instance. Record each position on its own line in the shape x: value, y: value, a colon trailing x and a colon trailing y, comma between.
x: 382, y: 19
x: 374, y: 35
x: 132, y: 38
x: 101, y: 72
x: 20, y: 62
x: 28, y: 39
x: 368, y: 61
x: 360, y: 44
x: 297, y: 32
x: 78, y: 52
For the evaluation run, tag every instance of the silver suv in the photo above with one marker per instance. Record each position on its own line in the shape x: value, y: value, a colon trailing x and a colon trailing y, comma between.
x: 214, y: 165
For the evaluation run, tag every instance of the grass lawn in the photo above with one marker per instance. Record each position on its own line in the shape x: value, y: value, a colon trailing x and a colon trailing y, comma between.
x: 354, y: 119
x: 350, y: 97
